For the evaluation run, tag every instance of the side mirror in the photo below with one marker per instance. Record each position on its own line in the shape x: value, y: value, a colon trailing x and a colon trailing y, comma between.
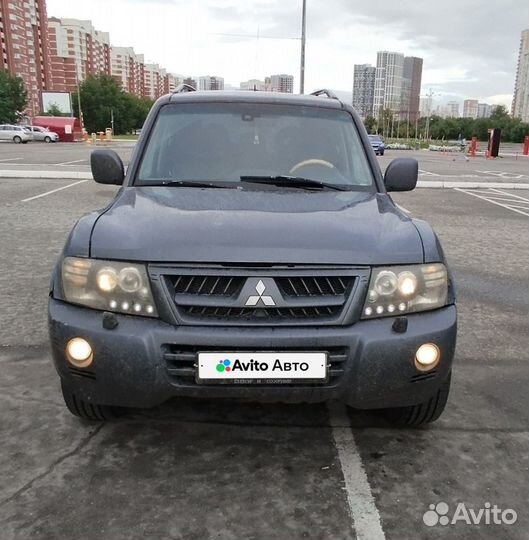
x: 402, y: 174
x: 107, y: 167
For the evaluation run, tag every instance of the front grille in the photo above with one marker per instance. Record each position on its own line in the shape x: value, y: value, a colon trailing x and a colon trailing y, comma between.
x: 222, y: 295
x: 207, y: 285
x: 181, y: 362
x: 314, y: 285
x: 268, y: 314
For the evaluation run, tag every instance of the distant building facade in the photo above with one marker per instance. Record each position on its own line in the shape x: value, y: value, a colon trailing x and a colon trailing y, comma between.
x: 452, y: 109
x: 388, y: 82
x: 484, y: 110
x: 470, y: 108
x: 210, y: 82
x: 281, y: 83
x: 25, y: 50
x: 364, y: 89
x: 78, y: 40
x: 520, y: 106
x: 411, y: 88
x: 128, y: 68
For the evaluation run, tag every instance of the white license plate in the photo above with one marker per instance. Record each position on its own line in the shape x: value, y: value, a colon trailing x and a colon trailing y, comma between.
x: 261, y: 367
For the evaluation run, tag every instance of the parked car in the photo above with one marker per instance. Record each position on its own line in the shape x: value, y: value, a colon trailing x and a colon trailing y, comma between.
x: 253, y: 251
x: 43, y: 134
x: 377, y: 143
x: 17, y: 134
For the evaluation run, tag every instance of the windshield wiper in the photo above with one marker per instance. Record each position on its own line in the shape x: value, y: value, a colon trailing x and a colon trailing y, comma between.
x: 292, y: 181
x: 190, y: 183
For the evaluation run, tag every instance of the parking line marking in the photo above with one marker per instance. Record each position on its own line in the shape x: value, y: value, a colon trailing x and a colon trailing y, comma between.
x: 71, y: 162
x: 53, y: 191
x: 10, y: 159
x: 509, y: 194
x: 362, y: 506
x: 507, y: 207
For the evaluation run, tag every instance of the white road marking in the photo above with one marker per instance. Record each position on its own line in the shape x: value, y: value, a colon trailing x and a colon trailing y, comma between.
x: 402, y: 208
x: 484, y: 198
x: 510, y: 194
x: 53, y: 191
x: 71, y: 162
x: 10, y: 159
x: 364, y: 512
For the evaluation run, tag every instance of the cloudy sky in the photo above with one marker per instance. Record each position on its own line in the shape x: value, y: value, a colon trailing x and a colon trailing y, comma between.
x: 469, y: 47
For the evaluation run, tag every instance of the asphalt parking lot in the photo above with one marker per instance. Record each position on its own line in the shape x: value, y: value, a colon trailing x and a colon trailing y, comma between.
x: 229, y: 470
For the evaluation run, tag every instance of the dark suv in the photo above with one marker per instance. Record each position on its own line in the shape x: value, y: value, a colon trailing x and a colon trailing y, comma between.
x: 253, y: 252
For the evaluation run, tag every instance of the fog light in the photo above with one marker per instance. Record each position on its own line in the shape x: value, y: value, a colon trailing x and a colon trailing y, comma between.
x: 79, y: 352
x: 427, y: 357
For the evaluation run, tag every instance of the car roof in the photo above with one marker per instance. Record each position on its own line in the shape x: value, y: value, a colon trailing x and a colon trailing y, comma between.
x: 275, y: 98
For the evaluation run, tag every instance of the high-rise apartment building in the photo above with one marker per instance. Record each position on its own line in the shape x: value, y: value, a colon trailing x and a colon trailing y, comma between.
x: 452, y: 109
x: 281, y: 83
x: 364, y: 89
x: 398, y: 85
x: 128, y: 68
x: 484, y: 110
x: 520, y: 105
x: 78, y: 39
x: 25, y: 52
x: 388, y: 82
x: 210, y: 82
x: 411, y: 88
x: 153, y: 81
x: 470, y: 108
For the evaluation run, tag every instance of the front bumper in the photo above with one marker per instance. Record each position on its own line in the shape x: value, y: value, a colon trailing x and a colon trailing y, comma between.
x: 130, y: 369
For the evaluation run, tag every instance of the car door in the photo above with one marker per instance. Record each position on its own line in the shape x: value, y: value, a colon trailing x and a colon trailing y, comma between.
x: 3, y: 133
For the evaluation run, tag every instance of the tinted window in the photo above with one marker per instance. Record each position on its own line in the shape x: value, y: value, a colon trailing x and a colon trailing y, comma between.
x: 213, y: 141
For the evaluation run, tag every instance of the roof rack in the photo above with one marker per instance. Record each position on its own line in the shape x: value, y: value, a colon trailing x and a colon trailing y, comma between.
x: 324, y: 91
x: 184, y: 88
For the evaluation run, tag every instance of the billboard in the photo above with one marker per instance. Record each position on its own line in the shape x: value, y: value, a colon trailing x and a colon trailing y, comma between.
x: 61, y: 100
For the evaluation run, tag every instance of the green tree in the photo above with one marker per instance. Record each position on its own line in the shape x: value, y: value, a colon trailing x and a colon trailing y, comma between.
x: 370, y: 123
x: 53, y: 110
x: 103, y: 100
x: 13, y: 97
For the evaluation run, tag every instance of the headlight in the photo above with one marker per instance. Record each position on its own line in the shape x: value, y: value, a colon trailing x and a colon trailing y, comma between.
x: 108, y: 286
x: 406, y: 289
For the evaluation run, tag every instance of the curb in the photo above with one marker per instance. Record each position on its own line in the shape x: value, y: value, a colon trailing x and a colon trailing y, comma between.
x: 439, y: 184
x: 67, y: 175
x: 432, y: 184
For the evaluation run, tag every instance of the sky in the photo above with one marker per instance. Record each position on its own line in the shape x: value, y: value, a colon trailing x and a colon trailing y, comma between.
x: 470, y: 47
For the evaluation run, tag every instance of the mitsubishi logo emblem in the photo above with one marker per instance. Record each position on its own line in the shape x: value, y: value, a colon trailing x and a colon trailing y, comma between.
x: 253, y: 300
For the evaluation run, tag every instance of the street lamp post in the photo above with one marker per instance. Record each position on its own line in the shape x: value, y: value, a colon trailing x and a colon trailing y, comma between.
x: 303, y: 41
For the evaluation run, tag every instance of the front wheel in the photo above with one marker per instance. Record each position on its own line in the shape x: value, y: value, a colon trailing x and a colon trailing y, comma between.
x: 83, y: 409
x: 17, y: 139
x: 422, y: 413
x: 382, y: 152
x: 47, y: 139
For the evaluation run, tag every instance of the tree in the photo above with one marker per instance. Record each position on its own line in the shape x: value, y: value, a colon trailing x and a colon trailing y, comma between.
x: 53, y: 110
x: 370, y: 123
x: 13, y: 97
x: 103, y: 100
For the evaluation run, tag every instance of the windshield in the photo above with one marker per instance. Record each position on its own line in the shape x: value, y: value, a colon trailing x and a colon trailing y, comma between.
x: 222, y: 142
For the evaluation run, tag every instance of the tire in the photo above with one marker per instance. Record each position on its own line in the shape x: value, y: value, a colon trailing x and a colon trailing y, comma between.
x: 17, y: 139
x: 422, y: 413
x: 47, y: 139
x: 83, y: 409
x: 382, y: 153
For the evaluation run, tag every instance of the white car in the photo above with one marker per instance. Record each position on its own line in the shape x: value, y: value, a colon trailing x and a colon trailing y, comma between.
x: 43, y: 134
x: 17, y: 134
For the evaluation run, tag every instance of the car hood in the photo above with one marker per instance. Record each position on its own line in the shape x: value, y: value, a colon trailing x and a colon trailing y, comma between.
x: 178, y: 224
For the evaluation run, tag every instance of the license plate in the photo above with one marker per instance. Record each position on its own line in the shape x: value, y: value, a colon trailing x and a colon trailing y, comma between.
x: 262, y: 367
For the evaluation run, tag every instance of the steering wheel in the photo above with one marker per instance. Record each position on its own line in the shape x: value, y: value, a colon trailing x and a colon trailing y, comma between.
x: 308, y: 162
